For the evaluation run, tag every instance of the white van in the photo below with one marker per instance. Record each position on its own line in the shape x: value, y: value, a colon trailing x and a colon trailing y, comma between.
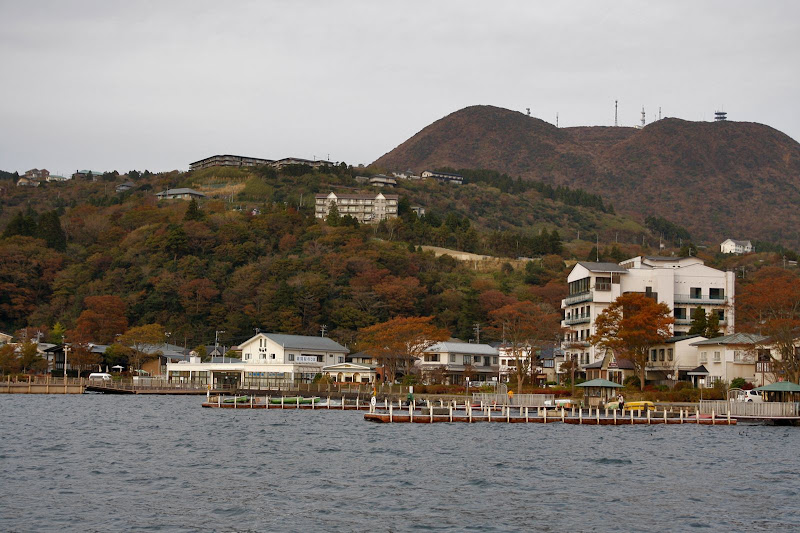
x: 100, y: 376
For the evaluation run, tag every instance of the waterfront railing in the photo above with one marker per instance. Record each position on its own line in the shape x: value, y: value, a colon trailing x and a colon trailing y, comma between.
x: 751, y: 409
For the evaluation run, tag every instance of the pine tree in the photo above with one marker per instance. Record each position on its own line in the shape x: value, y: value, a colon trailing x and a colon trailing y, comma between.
x: 712, y: 325
x: 20, y: 225
x: 193, y: 211
x: 699, y: 322
x: 334, y: 219
x: 49, y: 229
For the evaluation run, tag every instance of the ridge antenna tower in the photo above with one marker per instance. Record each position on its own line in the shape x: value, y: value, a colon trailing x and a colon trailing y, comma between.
x: 615, y: 113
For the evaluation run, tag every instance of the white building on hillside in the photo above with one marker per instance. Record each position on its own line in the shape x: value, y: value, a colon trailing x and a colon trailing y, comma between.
x: 366, y: 208
x: 683, y: 283
x: 732, y: 246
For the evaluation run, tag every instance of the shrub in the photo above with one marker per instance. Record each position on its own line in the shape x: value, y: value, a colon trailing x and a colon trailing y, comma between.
x: 631, y: 381
x: 681, y: 385
x: 738, y: 383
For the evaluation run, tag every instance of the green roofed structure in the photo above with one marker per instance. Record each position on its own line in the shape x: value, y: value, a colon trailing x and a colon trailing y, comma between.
x: 599, y: 391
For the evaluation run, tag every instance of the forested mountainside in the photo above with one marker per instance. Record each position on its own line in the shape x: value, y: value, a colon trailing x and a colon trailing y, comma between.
x: 717, y: 179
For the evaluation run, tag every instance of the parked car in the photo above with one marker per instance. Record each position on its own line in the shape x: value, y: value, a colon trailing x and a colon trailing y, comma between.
x: 100, y: 376
x: 748, y: 396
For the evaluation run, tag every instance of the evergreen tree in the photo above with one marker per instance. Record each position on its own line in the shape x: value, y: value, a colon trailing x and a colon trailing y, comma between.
x: 592, y: 254
x: 193, y: 211
x: 21, y: 225
x: 49, y: 229
x: 699, y: 322
x: 555, y: 243
x: 334, y: 219
x: 712, y: 325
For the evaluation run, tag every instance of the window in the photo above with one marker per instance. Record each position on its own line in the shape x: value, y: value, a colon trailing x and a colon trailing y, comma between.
x: 602, y: 284
x: 579, y: 286
x: 717, y: 357
x: 341, y: 359
x: 716, y: 294
x: 704, y: 357
x: 653, y: 354
x: 291, y: 357
x: 494, y: 360
x: 467, y: 359
x: 721, y: 314
x: 661, y: 354
x: 680, y: 313
x: 669, y: 354
x: 695, y: 293
x: 452, y: 358
x: 737, y: 356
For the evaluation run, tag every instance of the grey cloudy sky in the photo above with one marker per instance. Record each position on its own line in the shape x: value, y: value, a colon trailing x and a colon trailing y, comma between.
x: 106, y: 85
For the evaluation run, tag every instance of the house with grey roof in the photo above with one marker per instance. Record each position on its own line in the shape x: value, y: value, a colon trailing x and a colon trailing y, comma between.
x: 268, y: 359
x: 733, y: 246
x: 730, y: 356
x: 179, y: 194
x: 461, y: 360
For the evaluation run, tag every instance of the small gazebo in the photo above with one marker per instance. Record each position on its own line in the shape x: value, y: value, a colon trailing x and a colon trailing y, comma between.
x: 781, y: 391
x: 599, y: 391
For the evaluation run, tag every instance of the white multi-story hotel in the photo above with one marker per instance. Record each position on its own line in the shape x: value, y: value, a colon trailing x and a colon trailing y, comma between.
x: 366, y: 208
x: 683, y: 283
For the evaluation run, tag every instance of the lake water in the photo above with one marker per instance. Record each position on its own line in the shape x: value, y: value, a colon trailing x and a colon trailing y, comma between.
x: 113, y: 463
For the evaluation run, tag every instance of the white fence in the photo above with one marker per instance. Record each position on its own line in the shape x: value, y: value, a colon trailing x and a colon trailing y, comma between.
x: 521, y: 400
x: 751, y: 409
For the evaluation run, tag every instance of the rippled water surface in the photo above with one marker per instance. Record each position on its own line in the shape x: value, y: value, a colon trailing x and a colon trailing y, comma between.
x: 110, y: 463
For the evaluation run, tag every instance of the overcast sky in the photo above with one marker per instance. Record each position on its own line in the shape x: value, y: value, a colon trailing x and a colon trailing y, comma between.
x: 106, y: 85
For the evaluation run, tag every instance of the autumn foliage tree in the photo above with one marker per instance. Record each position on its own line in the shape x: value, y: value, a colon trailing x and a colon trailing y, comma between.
x: 525, y: 326
x: 144, y: 342
x: 770, y: 305
x: 397, y: 343
x: 102, y: 320
x: 630, y: 326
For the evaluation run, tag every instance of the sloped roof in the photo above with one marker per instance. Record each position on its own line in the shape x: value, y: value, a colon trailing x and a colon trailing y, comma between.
x: 600, y: 383
x: 182, y: 190
x: 736, y: 338
x: 602, y: 267
x: 780, y: 386
x: 678, y: 338
x: 307, y: 342
x: 463, y: 347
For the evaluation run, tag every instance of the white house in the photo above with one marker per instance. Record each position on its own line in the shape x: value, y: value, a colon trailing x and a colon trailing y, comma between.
x: 732, y: 246
x: 673, y: 359
x: 5, y: 338
x: 458, y: 360
x: 443, y: 177
x: 682, y: 283
x: 267, y: 358
x: 729, y: 357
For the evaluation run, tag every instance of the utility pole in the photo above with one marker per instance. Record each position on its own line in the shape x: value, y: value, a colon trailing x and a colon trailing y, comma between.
x: 323, y: 328
x: 477, y: 329
x: 216, y: 342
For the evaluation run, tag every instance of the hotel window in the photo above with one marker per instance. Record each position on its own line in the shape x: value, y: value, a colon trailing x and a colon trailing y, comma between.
x: 680, y: 313
x: 737, y: 356
x: 716, y: 294
x: 703, y: 357
x: 467, y: 359
x: 653, y: 355
x: 661, y: 354
x: 721, y: 314
x: 717, y: 357
x: 291, y: 357
x: 495, y: 360
x: 669, y: 354
x: 272, y: 356
x: 452, y: 358
x: 695, y: 293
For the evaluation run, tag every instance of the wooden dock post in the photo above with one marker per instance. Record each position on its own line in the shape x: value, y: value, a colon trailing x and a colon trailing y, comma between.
x: 665, y: 415
x: 342, y: 402
x: 580, y: 415
x: 606, y: 412
x: 615, y: 417
x: 697, y: 415
x: 681, y: 415
x: 385, y: 403
x: 390, y: 412
x: 451, y: 412
x: 526, y: 414
x: 648, y: 417
x: 219, y: 400
x: 329, y: 402
x: 508, y: 414
x: 312, y: 403
x: 282, y: 401
x: 410, y: 413
x: 469, y: 412
x: 430, y: 411
x: 356, y: 403
x: 631, y: 416
x: 489, y: 413
x: 251, y: 402
x: 562, y: 413
x: 597, y: 412
x: 713, y: 416
x: 729, y: 416
x: 544, y: 412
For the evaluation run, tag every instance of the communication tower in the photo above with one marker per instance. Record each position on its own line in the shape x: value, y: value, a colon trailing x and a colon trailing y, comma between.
x: 528, y: 109
x: 720, y: 116
x: 615, y: 113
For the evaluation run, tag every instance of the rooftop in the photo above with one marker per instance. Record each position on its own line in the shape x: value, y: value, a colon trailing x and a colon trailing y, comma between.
x: 736, y: 338
x: 602, y: 267
x: 463, y: 347
x: 307, y: 342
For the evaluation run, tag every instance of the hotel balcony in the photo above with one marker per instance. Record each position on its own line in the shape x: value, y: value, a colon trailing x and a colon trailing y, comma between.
x: 585, y: 319
x: 702, y: 299
x: 578, y: 298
